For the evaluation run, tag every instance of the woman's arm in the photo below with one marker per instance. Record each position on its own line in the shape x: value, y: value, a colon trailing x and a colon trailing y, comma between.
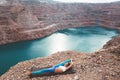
x: 64, y: 68
x: 69, y: 66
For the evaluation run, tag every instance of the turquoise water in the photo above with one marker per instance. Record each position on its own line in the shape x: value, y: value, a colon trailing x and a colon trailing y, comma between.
x: 85, y: 39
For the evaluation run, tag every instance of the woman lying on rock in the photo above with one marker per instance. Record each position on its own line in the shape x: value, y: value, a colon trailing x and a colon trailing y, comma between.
x: 58, y: 68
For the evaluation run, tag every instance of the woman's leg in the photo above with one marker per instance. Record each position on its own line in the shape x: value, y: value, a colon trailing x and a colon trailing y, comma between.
x: 46, y: 70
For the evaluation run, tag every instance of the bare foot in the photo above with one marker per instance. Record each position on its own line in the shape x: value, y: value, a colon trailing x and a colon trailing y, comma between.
x: 28, y: 73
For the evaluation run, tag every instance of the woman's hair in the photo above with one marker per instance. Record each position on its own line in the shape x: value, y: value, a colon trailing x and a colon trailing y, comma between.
x: 67, y: 64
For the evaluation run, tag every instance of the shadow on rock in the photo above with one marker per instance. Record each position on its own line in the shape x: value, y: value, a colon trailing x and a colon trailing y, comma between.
x: 70, y: 71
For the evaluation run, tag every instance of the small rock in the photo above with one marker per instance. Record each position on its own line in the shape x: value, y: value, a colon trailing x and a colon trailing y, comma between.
x: 70, y: 79
x: 86, y: 66
x: 100, y: 56
x: 99, y: 70
x: 76, y: 77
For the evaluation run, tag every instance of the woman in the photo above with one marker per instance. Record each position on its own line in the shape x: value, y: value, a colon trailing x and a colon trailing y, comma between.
x: 59, y: 68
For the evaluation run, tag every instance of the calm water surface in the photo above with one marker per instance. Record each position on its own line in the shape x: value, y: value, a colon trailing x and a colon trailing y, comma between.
x: 84, y: 39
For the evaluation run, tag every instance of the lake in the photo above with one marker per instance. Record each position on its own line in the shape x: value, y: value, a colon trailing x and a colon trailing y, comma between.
x: 83, y: 39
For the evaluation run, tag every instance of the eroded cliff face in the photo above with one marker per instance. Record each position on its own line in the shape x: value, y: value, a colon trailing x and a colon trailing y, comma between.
x: 31, y: 19
x: 17, y: 23
x: 101, y: 65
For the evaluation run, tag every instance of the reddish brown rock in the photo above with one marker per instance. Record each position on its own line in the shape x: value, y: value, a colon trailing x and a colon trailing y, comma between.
x: 114, y: 42
x: 32, y: 16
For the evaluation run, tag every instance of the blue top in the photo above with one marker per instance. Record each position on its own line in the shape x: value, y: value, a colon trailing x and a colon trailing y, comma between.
x: 60, y: 64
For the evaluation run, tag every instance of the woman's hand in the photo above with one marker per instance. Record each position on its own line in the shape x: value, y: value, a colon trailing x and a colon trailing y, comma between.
x: 28, y: 73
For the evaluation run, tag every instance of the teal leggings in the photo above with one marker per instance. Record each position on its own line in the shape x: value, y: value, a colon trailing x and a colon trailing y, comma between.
x: 51, y: 69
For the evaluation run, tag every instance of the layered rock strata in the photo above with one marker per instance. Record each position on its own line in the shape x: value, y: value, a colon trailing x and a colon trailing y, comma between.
x: 28, y: 19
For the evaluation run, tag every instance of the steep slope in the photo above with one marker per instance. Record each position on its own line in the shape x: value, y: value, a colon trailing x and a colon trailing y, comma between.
x: 16, y: 19
x: 114, y: 42
x: 31, y: 19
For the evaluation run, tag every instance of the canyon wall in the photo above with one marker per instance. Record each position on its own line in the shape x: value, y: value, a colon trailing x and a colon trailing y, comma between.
x: 31, y: 19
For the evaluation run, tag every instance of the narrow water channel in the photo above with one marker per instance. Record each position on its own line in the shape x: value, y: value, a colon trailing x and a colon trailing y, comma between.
x: 84, y: 39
